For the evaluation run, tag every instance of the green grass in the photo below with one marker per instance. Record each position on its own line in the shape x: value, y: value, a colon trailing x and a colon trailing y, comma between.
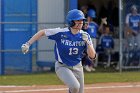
x: 52, y: 79
x: 112, y: 77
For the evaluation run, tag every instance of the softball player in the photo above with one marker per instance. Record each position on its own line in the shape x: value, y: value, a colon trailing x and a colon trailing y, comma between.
x: 133, y: 27
x: 70, y: 43
x: 132, y: 34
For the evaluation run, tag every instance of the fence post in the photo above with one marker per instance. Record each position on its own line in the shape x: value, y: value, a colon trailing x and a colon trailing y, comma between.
x: 120, y: 34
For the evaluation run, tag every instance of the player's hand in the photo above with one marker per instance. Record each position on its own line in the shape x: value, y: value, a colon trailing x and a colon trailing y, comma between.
x: 25, y: 48
x: 86, y: 38
x: 104, y: 20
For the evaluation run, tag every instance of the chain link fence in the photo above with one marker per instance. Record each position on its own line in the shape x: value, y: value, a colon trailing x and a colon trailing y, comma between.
x: 130, y: 48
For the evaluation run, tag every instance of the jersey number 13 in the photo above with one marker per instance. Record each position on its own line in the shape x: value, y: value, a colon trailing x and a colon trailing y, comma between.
x: 73, y: 51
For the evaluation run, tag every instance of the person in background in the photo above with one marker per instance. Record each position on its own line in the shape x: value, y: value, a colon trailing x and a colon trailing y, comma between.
x: 91, y: 29
x: 102, y: 25
x: 132, y: 27
x: 106, y: 42
x: 132, y: 34
x: 92, y: 26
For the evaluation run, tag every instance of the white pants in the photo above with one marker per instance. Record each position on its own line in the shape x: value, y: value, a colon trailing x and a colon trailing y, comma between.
x: 134, y: 39
x: 73, y: 77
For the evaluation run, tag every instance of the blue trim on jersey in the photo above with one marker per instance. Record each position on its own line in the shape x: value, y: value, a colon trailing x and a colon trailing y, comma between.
x: 92, y: 29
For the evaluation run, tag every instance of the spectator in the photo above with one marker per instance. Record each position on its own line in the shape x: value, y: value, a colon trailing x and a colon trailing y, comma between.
x: 104, y: 21
x: 132, y: 34
x: 106, y: 40
x: 101, y: 27
x: 92, y: 25
x: 106, y: 43
x: 105, y: 15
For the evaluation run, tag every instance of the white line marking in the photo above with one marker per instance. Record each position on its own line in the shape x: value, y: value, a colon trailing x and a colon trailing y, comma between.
x: 12, y: 86
x: 126, y: 86
x: 62, y: 89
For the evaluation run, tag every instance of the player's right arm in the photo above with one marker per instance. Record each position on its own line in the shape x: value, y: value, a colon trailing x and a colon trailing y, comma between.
x: 50, y: 33
x: 37, y: 36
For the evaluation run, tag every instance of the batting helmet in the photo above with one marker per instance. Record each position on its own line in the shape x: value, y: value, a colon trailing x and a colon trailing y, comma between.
x: 74, y: 14
x: 91, y: 13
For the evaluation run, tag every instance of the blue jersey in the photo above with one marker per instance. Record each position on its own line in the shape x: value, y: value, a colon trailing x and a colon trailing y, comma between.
x: 92, y: 29
x: 133, y: 21
x: 107, y: 41
x: 68, y: 47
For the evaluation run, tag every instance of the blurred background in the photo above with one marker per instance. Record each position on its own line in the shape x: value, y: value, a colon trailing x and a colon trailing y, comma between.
x: 20, y: 19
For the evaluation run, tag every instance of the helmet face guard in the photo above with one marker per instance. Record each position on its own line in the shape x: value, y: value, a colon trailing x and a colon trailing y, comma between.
x: 73, y: 15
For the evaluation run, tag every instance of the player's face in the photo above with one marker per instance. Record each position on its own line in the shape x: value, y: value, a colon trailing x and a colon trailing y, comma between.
x: 134, y: 11
x: 89, y: 19
x: 78, y: 24
x: 107, y: 30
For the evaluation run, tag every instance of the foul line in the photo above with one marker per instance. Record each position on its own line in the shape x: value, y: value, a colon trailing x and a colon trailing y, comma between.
x: 62, y: 89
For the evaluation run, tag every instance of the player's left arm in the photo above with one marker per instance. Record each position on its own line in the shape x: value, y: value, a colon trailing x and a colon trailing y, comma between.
x: 90, y: 50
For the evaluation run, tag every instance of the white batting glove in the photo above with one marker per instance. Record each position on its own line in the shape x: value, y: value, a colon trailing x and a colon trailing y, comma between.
x: 86, y: 38
x: 104, y: 20
x: 25, y: 48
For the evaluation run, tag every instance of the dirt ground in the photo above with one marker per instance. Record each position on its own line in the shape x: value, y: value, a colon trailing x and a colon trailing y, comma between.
x: 95, y: 88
